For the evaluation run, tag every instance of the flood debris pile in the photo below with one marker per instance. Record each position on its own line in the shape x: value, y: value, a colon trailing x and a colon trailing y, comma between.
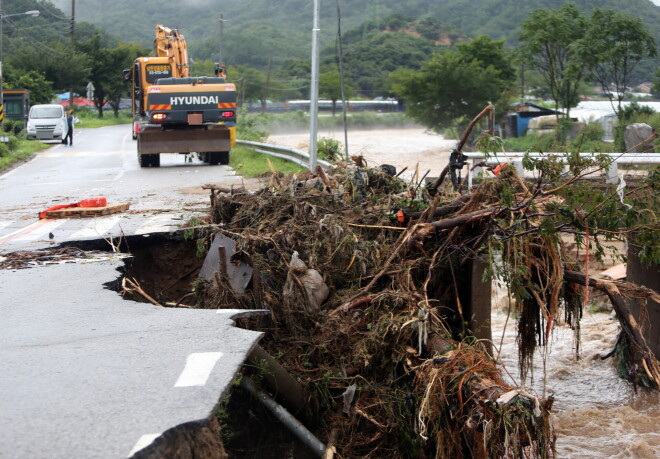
x: 367, y: 282
x: 361, y: 273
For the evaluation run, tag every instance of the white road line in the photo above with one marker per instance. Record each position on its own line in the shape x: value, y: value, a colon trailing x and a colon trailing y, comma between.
x: 99, y: 226
x: 199, y: 366
x: 144, y: 441
x: 157, y: 223
x: 41, y: 232
x: 25, y: 229
x: 62, y: 154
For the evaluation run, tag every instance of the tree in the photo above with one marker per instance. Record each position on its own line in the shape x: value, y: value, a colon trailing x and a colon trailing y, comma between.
x: 64, y: 67
x: 447, y: 89
x: 250, y: 83
x: 547, y: 38
x: 330, y: 87
x: 106, y: 69
x: 656, y: 86
x: 613, y: 45
x: 369, y: 60
x: 41, y: 90
x: 118, y: 58
x: 490, y: 52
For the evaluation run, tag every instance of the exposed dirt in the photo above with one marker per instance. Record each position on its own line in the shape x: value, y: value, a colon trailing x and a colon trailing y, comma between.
x: 187, y: 441
x: 165, y: 269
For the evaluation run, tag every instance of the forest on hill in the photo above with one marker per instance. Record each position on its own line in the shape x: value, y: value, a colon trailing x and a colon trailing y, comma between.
x: 255, y: 31
x: 266, y: 45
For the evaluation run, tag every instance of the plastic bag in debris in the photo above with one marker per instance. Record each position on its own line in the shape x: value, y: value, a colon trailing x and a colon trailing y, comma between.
x: 314, y: 183
x: 349, y: 395
x: 316, y: 290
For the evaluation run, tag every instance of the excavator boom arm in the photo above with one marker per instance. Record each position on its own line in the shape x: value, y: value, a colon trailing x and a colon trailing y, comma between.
x: 171, y: 44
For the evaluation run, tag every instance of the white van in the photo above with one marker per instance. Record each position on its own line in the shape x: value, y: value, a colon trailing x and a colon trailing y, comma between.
x: 47, y: 122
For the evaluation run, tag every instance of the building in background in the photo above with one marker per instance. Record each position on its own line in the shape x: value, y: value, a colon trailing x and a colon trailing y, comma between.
x: 16, y: 104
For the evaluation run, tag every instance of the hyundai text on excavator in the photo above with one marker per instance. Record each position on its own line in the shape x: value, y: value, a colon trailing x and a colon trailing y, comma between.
x: 176, y: 113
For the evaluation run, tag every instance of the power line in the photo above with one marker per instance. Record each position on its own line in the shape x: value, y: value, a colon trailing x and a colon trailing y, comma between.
x: 39, y: 46
x: 33, y: 28
x: 44, y: 8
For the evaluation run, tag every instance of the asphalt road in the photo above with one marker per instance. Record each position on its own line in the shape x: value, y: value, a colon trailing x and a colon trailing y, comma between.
x: 86, y: 373
x: 102, y: 162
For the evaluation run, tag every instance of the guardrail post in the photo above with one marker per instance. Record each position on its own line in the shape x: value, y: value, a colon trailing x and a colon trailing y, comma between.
x: 612, y: 173
x: 520, y: 170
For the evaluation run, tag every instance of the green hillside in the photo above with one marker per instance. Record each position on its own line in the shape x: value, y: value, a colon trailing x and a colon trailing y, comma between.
x: 380, y: 37
x: 256, y: 30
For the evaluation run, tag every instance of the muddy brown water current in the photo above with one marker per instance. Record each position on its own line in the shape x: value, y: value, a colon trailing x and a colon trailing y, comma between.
x: 596, y: 413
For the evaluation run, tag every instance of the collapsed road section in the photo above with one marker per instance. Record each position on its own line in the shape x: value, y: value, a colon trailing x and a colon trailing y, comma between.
x: 88, y: 374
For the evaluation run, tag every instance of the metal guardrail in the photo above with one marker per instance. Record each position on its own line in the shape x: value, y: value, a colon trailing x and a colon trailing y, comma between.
x: 290, y: 154
x: 515, y: 159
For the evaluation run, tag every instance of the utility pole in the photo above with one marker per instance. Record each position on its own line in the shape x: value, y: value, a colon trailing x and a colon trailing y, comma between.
x: 344, y: 102
x: 314, y: 89
x: 220, y: 67
x: 222, y: 43
x: 73, y: 43
x: 264, y: 99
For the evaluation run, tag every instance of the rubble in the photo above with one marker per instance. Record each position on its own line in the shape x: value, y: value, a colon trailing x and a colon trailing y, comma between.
x: 385, y: 350
x: 391, y: 331
x: 29, y: 259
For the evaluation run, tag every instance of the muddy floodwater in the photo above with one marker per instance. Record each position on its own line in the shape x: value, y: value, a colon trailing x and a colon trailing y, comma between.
x: 597, y: 414
x: 398, y: 147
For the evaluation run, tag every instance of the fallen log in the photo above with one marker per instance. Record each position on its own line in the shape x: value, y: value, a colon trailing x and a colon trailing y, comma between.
x: 463, y: 219
x: 422, y: 231
x: 628, y: 322
x: 447, y: 209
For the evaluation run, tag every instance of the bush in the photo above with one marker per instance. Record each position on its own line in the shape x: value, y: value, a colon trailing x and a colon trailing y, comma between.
x: 593, y: 131
x: 247, y: 128
x: 589, y: 140
x: 13, y: 126
x: 4, y: 150
x: 368, y: 120
x: 12, y: 145
x: 329, y: 149
x: 635, y: 113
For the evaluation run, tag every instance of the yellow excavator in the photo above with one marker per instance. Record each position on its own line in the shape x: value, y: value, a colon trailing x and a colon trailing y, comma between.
x: 176, y: 113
